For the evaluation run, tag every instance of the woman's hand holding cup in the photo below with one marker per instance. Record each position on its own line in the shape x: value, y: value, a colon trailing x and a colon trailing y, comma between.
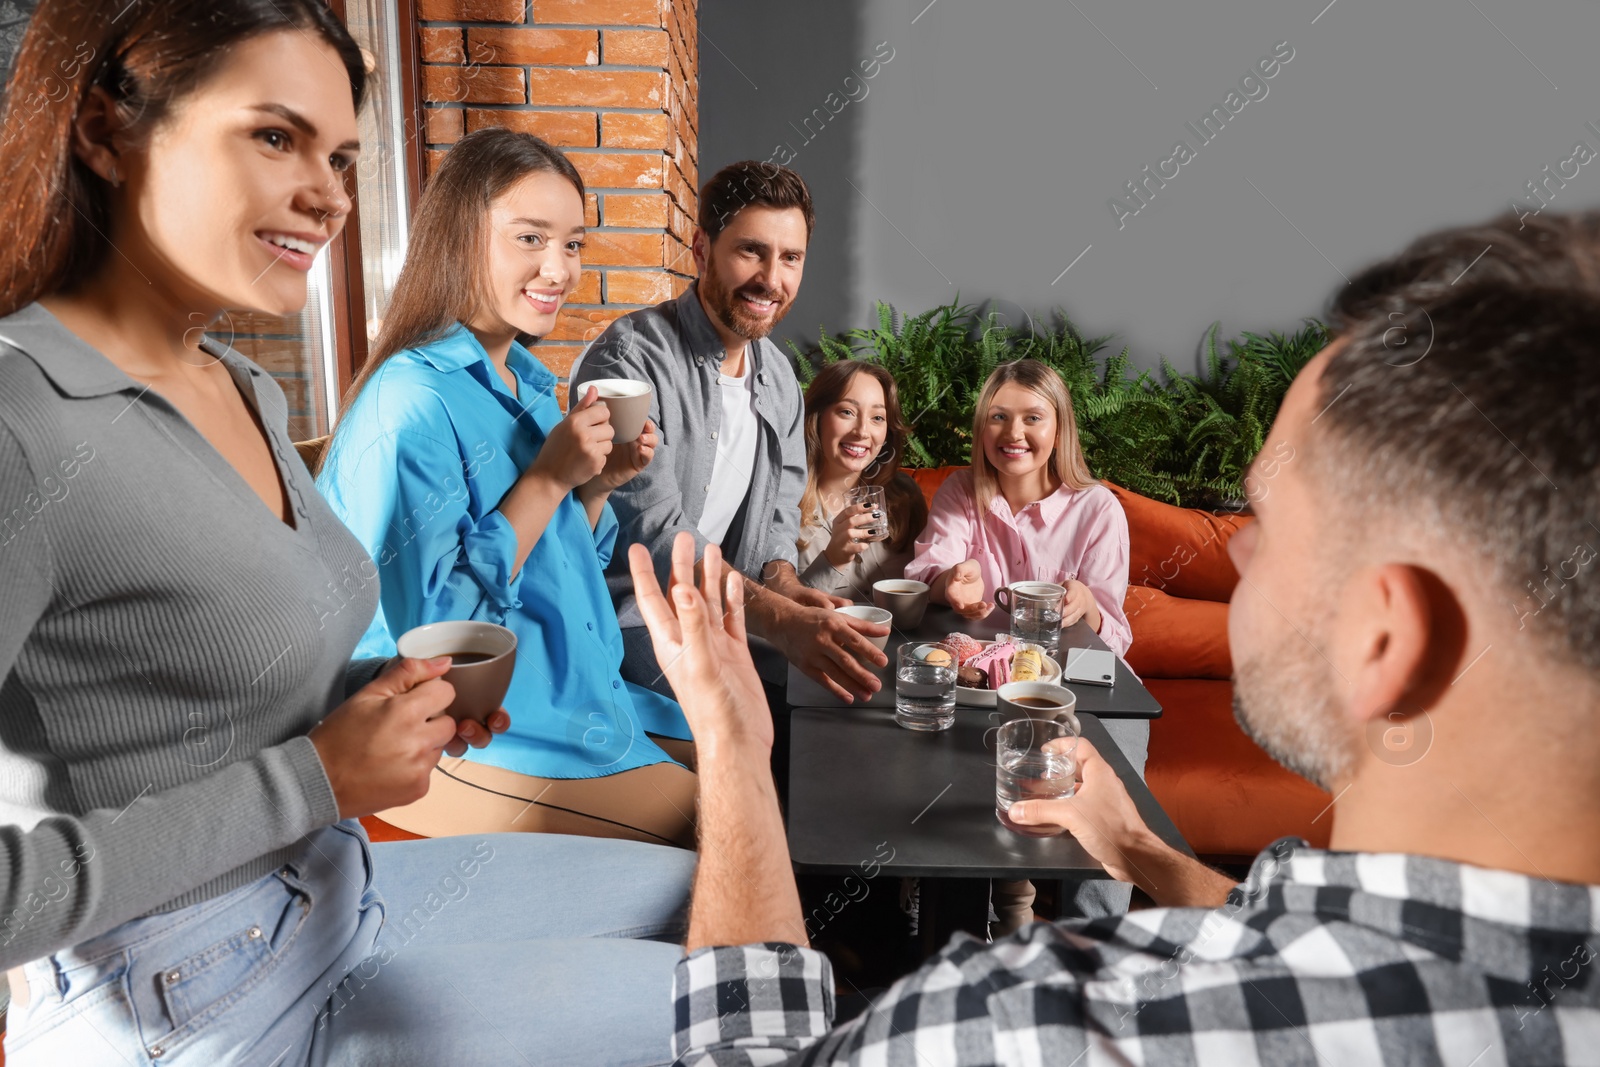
x: 849, y: 534
x: 579, y: 446
x: 626, y: 460
x: 379, y: 747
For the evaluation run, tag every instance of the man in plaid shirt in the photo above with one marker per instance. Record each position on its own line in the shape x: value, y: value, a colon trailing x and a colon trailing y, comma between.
x: 1416, y: 628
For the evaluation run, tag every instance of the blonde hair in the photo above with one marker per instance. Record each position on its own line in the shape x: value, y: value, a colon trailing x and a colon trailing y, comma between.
x: 1066, y: 460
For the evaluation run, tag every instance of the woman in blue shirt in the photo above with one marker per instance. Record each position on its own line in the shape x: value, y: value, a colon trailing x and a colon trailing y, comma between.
x: 455, y: 468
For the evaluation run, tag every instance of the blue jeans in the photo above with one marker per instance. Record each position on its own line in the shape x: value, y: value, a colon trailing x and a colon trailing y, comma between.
x: 499, y: 949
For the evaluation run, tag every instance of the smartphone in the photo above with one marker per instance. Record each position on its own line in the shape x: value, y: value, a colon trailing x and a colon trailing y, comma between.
x: 1089, y: 666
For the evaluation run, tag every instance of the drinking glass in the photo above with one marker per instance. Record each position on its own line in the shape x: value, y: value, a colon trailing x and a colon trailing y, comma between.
x: 1035, y: 609
x: 872, y: 496
x: 1029, y: 767
x: 924, y: 692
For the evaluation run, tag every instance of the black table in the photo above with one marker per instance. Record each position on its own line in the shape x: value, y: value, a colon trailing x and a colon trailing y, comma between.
x: 864, y: 791
x: 1127, y: 698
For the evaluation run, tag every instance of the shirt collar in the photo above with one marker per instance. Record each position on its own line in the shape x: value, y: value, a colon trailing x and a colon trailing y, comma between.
x: 459, y: 349
x: 79, y: 370
x: 1050, y: 508
x: 705, y: 344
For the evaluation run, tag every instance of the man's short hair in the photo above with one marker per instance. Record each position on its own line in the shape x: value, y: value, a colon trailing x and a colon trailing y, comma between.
x: 752, y: 182
x: 1466, y: 394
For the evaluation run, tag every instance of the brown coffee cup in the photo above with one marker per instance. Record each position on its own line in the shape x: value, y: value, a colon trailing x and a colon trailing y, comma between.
x: 1037, y: 700
x: 482, y: 673
x: 629, y: 401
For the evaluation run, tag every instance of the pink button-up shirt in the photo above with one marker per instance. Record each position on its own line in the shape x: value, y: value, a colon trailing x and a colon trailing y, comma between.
x: 1080, y: 534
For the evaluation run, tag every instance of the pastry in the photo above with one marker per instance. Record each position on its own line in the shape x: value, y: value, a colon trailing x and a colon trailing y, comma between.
x: 938, y: 657
x: 1026, y: 665
x: 972, y: 677
x: 961, y: 646
x: 995, y: 662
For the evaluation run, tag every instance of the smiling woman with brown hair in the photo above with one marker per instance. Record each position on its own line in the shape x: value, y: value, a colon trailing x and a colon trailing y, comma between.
x: 185, y: 742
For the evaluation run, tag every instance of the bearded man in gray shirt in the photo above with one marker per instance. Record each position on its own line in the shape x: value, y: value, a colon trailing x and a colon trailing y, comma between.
x: 731, y: 465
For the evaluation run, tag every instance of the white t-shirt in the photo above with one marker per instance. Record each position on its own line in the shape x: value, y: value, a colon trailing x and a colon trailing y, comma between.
x: 735, y: 463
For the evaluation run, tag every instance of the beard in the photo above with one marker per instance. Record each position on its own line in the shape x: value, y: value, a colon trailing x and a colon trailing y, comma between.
x: 729, y: 309
x: 1283, y: 699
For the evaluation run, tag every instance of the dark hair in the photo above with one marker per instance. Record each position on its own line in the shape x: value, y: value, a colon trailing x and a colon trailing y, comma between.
x: 1491, y: 433
x: 739, y: 185
x: 1551, y: 250
x: 54, y: 213
x: 443, y: 280
x: 907, y: 510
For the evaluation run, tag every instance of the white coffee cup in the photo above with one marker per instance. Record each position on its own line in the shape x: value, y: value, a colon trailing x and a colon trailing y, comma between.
x: 905, y: 599
x: 629, y: 401
x: 868, y: 613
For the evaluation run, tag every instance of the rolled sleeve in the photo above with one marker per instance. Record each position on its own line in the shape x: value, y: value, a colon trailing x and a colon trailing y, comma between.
x: 605, y: 534
x: 750, y: 1004
x: 489, y: 550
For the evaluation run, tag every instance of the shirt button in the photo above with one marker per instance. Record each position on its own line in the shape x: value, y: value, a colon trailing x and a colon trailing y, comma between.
x: 590, y: 625
x: 713, y: 435
x: 616, y: 685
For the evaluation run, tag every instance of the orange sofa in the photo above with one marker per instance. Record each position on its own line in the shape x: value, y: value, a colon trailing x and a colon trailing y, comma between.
x: 1228, y: 798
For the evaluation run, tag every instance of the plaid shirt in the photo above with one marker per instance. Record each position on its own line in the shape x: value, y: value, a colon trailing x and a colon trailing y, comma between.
x: 1324, y: 958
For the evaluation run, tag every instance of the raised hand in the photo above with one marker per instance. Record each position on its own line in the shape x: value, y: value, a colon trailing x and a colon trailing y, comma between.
x: 699, y: 638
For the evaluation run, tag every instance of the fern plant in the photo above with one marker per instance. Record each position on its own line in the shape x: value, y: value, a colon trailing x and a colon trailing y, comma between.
x: 1186, y: 439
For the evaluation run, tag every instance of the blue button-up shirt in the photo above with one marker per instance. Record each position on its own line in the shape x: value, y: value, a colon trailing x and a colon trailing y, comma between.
x: 417, y: 469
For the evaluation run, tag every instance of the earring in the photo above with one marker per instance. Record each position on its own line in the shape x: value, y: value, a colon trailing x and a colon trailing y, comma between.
x: 115, y: 179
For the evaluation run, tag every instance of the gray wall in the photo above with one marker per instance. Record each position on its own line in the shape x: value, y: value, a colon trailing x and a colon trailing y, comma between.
x: 982, y: 158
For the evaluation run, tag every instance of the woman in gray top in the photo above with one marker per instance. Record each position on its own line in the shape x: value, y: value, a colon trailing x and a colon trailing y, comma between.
x: 185, y: 744
x: 855, y: 436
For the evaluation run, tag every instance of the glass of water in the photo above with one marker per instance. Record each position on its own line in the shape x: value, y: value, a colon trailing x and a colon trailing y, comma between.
x: 1035, y: 610
x: 925, y: 687
x: 1035, y: 759
x: 873, y: 497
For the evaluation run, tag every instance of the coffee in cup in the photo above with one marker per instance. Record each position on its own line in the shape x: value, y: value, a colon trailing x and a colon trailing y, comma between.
x: 1037, y: 700
x: 482, y: 658
x: 904, y: 599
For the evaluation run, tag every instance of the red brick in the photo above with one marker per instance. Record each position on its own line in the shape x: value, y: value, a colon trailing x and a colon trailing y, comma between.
x: 638, y: 286
x: 678, y: 256
x: 441, y: 44
x: 633, y: 130
x: 431, y: 161
x: 539, y: 47
x: 599, y: 12
x: 607, y: 171
x: 571, y: 129
x: 469, y: 10
x: 588, y: 290
x: 558, y: 359
x: 598, y: 88
x: 649, y: 210
x: 582, y: 324
x: 680, y: 284
x: 474, y: 85
x: 442, y: 125
x: 636, y: 48
x: 609, y: 249
x: 591, y: 211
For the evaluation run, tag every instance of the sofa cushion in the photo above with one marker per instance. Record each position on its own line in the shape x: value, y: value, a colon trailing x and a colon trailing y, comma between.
x: 1227, y: 797
x: 1182, y: 551
x: 1175, y: 637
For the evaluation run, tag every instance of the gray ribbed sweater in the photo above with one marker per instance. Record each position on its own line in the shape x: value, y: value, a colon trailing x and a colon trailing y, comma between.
x: 166, y: 642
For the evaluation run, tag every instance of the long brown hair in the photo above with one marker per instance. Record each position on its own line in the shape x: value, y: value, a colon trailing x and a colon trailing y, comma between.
x: 907, y: 510
x: 442, y: 282
x: 1066, y: 461
x: 54, y: 211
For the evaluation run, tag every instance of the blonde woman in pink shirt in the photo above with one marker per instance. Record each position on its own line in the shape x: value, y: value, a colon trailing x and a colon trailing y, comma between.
x: 1029, y: 510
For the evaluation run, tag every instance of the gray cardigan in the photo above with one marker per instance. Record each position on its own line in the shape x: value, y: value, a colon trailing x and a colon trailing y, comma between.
x: 674, y: 347
x: 166, y: 642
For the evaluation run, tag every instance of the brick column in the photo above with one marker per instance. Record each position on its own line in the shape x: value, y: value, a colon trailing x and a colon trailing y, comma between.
x: 615, y: 85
